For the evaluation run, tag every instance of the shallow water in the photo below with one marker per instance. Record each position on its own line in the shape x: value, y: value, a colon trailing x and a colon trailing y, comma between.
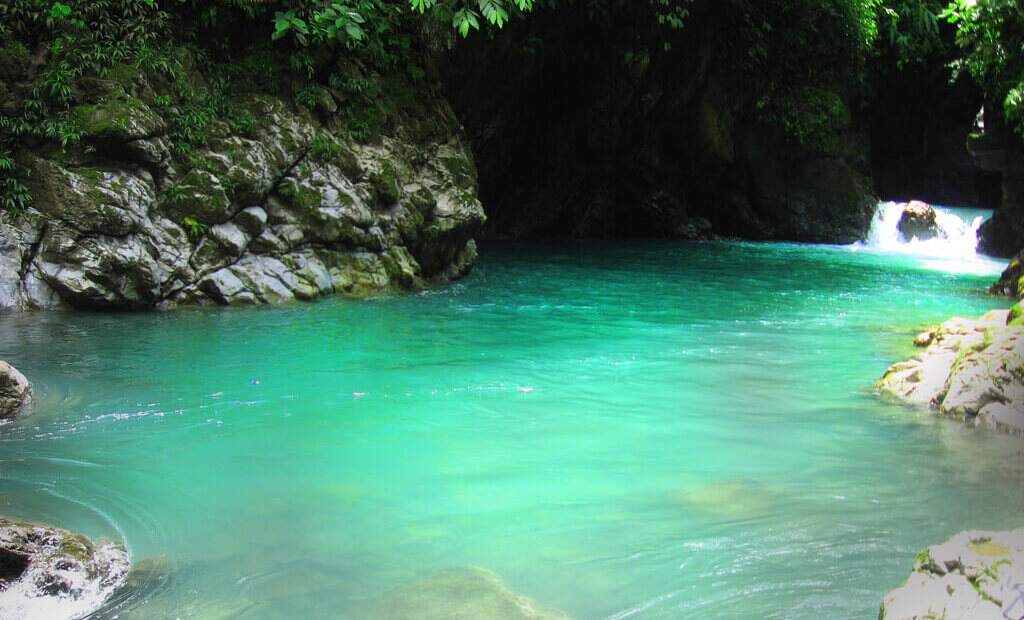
x: 655, y: 430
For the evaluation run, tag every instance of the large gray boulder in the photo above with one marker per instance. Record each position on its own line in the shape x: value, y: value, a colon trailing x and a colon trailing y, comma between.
x: 970, y: 369
x: 15, y: 391
x: 972, y: 576
x: 47, y: 572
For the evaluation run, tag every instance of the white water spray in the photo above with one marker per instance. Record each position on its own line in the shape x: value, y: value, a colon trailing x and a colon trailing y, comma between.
x: 955, y: 249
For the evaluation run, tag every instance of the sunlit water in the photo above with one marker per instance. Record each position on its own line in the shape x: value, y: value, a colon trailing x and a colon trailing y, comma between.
x: 648, y: 430
x: 953, y: 250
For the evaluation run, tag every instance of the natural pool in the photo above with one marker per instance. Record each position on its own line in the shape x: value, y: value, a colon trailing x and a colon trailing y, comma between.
x: 641, y: 430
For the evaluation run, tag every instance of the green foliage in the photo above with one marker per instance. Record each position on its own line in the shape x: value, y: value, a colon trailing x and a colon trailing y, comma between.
x: 911, y: 29
x: 324, y: 149
x: 991, y: 34
x: 194, y: 228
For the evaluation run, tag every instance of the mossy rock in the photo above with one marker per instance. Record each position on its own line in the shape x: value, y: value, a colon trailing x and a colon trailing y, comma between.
x: 386, y: 183
x: 118, y: 117
x: 199, y: 195
x: 1016, y: 315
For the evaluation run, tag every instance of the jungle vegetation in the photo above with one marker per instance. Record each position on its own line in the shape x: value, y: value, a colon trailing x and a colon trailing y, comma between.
x: 795, y: 54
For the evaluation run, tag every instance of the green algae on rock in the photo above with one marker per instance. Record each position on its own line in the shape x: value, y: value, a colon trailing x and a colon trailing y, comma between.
x: 974, y: 575
x: 47, y: 572
x: 254, y: 215
x: 970, y: 369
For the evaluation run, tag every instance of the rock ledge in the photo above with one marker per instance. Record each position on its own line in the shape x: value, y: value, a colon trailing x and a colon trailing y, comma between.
x: 970, y: 369
x: 974, y: 575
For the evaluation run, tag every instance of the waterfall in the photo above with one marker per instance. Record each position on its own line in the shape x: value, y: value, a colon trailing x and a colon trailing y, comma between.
x: 954, y: 249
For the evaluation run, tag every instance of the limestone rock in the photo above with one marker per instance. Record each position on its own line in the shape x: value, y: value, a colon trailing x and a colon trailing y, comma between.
x: 971, y: 369
x: 251, y: 217
x: 972, y: 576
x: 46, y: 572
x: 918, y: 222
x: 15, y: 391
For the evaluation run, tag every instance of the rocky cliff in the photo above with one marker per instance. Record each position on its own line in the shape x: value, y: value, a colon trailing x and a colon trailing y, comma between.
x: 282, y: 201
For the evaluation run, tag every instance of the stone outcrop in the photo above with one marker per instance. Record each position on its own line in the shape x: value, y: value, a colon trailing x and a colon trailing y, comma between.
x: 1011, y: 282
x: 290, y: 207
x: 972, y: 370
x: 51, y: 573
x: 15, y: 391
x: 972, y: 576
x: 918, y: 222
x: 461, y: 594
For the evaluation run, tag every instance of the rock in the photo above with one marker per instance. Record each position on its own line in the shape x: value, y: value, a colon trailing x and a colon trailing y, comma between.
x: 972, y: 576
x: 46, y: 572
x: 918, y: 222
x: 971, y: 369
x: 250, y: 217
x: 15, y: 391
x: 461, y: 594
x: 1011, y: 282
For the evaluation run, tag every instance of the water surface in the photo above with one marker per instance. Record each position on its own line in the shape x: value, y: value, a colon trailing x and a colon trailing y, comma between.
x: 649, y: 430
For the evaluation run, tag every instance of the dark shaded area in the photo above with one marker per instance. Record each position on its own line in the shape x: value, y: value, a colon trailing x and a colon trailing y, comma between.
x: 612, y: 127
x: 920, y: 119
x: 12, y: 566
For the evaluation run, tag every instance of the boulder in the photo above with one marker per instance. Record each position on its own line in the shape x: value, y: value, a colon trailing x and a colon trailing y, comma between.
x: 972, y: 576
x: 918, y: 222
x: 15, y: 391
x: 47, y: 572
x: 972, y: 370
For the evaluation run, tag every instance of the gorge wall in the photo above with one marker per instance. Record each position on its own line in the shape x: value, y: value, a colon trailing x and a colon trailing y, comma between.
x: 613, y: 126
x: 280, y: 200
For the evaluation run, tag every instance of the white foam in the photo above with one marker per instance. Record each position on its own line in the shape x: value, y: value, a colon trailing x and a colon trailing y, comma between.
x: 955, y: 250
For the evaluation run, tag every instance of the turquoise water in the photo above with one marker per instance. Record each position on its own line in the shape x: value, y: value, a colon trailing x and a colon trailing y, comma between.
x: 650, y: 430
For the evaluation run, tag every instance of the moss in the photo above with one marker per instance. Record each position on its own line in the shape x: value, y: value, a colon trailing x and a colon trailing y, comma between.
x: 386, y: 184
x: 1016, y: 315
x: 117, y: 117
x: 301, y: 197
x: 462, y: 172
x: 988, y: 548
x: 76, y: 546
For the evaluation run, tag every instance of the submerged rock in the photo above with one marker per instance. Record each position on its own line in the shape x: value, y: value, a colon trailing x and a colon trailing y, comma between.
x: 971, y: 369
x: 47, y: 572
x: 15, y: 391
x: 918, y: 222
x: 974, y: 575
x: 461, y: 594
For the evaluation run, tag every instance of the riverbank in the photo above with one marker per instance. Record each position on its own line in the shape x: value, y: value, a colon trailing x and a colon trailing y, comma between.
x: 972, y: 576
x: 970, y: 369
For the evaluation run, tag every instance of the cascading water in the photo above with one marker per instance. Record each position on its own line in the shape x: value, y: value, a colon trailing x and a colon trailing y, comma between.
x: 954, y: 249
